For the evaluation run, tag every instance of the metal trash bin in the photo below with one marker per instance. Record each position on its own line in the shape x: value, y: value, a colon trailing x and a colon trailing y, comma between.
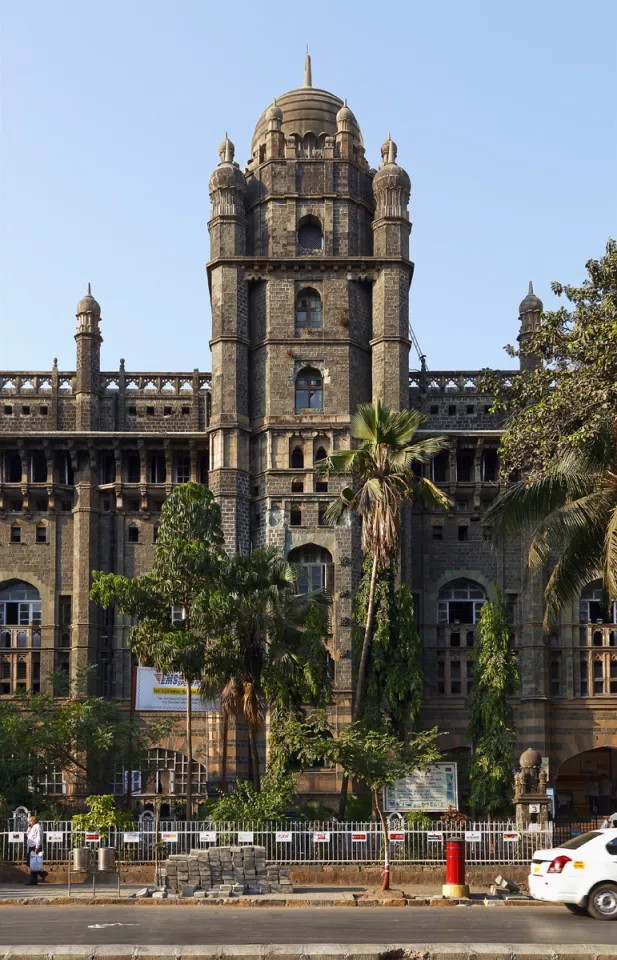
x: 106, y: 858
x: 81, y: 858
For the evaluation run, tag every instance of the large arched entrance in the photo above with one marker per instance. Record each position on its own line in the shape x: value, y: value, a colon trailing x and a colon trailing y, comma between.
x: 586, y: 784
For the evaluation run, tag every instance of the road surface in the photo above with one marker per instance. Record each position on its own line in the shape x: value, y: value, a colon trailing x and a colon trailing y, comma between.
x: 52, y: 925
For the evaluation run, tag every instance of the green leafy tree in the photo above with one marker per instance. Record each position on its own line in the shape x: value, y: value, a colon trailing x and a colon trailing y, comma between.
x: 274, y: 656
x: 381, y: 467
x: 179, y: 606
x: 102, y: 815
x: 570, y: 397
x: 87, y: 737
x: 570, y: 513
x: 395, y: 680
x: 492, y: 727
x: 248, y: 804
x: 377, y: 757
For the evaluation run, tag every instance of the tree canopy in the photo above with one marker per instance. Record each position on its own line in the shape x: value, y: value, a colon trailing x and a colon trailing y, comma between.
x: 570, y: 398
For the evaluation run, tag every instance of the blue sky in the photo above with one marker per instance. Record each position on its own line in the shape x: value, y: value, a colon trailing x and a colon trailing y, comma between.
x: 504, y: 114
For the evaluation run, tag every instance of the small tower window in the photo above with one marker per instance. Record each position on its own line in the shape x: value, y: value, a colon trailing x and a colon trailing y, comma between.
x: 309, y: 390
x: 15, y: 533
x: 297, y: 485
x: 133, y: 533
x: 41, y: 533
x: 310, y: 235
x: 297, y: 458
x: 295, y: 517
x: 308, y: 310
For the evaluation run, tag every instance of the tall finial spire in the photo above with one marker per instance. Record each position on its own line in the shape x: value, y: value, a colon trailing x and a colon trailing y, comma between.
x: 530, y: 286
x: 308, y: 76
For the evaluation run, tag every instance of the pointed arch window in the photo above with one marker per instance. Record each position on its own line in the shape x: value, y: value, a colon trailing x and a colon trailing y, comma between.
x: 309, y: 390
x: 309, y: 314
x: 314, y: 567
x: 297, y: 458
x: 310, y: 235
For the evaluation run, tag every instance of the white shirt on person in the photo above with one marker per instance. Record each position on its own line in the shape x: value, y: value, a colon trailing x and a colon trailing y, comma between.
x: 35, y: 837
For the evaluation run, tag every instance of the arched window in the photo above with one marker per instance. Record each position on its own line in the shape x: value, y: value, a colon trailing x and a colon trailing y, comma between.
x: 297, y: 458
x: 308, y: 310
x: 309, y: 390
x: 460, y: 601
x: 20, y: 605
x: 320, y: 454
x: 297, y: 485
x: 167, y: 774
x: 314, y: 565
x: 310, y: 235
x: 594, y: 605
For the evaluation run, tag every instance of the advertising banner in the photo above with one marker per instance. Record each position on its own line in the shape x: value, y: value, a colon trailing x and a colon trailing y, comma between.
x: 207, y: 836
x: 321, y: 837
x: 169, y: 836
x: 358, y: 838
x: 246, y: 836
x: 16, y: 838
x: 473, y: 836
x: 90, y: 836
x: 283, y: 836
x: 131, y: 836
x: 512, y: 837
x: 435, y: 789
x: 54, y: 836
x: 434, y: 836
x: 167, y: 691
x: 396, y: 837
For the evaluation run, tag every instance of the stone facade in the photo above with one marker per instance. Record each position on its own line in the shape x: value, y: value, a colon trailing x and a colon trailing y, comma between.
x: 309, y: 282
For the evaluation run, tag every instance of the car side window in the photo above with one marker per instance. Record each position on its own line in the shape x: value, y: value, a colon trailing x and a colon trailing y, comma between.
x: 611, y: 847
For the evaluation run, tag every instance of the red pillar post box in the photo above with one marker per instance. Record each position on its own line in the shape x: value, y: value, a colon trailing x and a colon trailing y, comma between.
x: 455, y: 885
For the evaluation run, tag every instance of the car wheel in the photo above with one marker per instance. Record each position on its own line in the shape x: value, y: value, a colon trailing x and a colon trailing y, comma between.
x: 575, y: 908
x: 603, y: 902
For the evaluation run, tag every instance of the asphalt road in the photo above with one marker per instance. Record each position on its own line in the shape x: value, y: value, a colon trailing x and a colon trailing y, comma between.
x: 54, y: 925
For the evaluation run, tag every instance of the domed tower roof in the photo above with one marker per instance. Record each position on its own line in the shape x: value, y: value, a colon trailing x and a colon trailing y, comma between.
x: 306, y: 110
x: 390, y: 174
x: 530, y: 758
x: 88, y: 304
x: 531, y: 303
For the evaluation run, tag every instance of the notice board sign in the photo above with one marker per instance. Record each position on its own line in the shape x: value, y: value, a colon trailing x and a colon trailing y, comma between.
x: 433, y: 790
x: 167, y: 691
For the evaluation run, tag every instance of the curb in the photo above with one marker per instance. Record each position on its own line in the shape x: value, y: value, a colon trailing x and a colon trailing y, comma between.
x: 319, y: 951
x: 265, y: 903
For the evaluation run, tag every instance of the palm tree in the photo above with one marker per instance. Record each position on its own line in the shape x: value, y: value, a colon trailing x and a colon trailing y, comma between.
x: 572, y: 513
x: 269, y: 660
x: 381, y: 466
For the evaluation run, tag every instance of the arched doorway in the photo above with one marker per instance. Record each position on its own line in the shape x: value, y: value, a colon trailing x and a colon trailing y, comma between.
x: 586, y: 784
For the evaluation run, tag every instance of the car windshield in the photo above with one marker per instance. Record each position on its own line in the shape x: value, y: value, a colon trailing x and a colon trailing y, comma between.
x: 577, y: 842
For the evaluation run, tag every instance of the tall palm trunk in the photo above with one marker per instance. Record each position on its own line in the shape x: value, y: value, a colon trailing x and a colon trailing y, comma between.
x: 189, y: 750
x: 358, y: 703
x: 224, y: 754
x: 254, y: 756
x: 386, y: 841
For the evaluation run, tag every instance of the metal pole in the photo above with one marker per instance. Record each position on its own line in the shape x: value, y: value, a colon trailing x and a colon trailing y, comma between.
x: 94, y: 884
x: 69, y: 890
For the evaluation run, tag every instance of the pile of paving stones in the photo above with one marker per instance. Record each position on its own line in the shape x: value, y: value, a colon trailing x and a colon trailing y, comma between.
x: 224, y: 872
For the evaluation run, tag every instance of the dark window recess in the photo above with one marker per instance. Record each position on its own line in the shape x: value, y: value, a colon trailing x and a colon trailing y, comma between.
x: 297, y: 458
x: 434, y: 408
x: 16, y: 506
x: 465, y: 465
x: 133, y: 506
x: 490, y: 465
x: 43, y: 411
x: 310, y: 235
x: 455, y: 678
x: 452, y: 410
x: 64, y: 610
x: 38, y: 467
x: 203, y: 468
x: 131, y: 410
x: 167, y: 411
x: 66, y: 506
x: 64, y: 468
x: 149, y: 411
x: 441, y: 677
x: 108, y: 468
x: 470, y: 408
x: 25, y: 411
x: 41, y: 533
x: 15, y: 533
x: 8, y: 410
x: 183, y: 468
x: 437, y: 532
x: 133, y: 469
x: 155, y: 533
x: 470, y: 640
x: 186, y: 411
x: 42, y: 505
x: 12, y: 467
x: 487, y: 408
x: 440, y: 466
x: 297, y: 485
x: 321, y: 514
x: 321, y: 486
x: 463, y: 533
x: 455, y: 639
x: 321, y: 454
x: 157, y: 468
x: 133, y: 534
x: 295, y: 517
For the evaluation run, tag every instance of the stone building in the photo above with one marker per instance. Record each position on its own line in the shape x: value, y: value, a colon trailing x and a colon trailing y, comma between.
x: 309, y: 279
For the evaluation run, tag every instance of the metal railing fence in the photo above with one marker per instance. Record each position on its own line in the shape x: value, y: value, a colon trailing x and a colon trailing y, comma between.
x: 291, y: 842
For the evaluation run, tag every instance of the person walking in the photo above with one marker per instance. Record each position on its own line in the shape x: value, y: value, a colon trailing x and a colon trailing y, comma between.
x: 34, y: 846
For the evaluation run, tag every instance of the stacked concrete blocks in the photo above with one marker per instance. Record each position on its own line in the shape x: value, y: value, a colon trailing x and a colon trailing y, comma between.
x: 225, y: 872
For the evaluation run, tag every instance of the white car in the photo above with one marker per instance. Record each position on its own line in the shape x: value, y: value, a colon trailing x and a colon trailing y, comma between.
x: 581, y: 874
